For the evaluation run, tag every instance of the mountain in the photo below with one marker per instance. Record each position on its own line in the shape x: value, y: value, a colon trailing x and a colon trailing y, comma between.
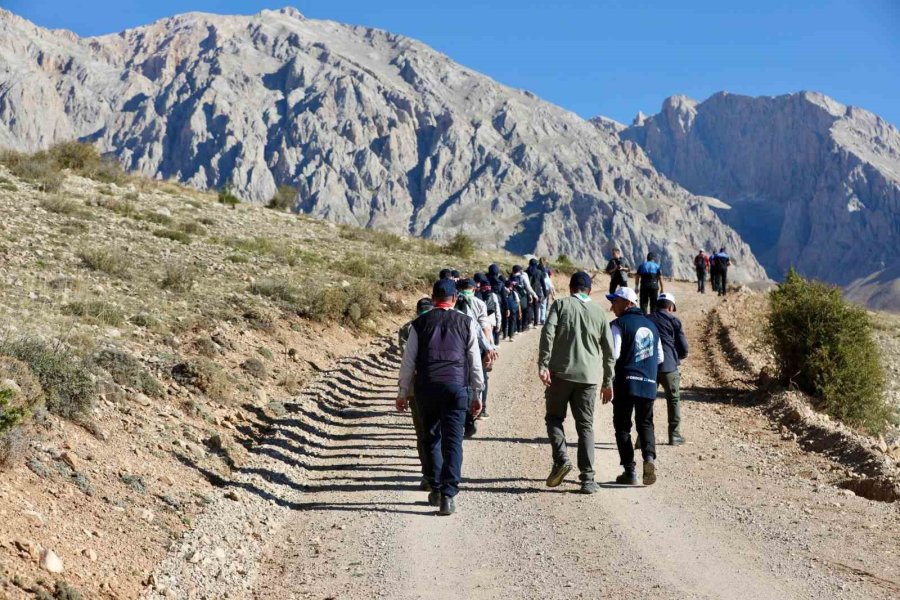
x: 372, y: 128
x: 812, y: 183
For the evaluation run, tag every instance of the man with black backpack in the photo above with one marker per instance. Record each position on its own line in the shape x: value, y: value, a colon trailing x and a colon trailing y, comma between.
x: 701, y: 266
x: 720, y: 263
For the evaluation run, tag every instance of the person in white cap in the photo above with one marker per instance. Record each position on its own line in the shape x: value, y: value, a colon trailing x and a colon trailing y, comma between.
x: 675, y: 349
x: 638, y: 353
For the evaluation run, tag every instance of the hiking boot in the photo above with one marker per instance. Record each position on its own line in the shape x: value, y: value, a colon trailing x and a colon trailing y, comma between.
x: 649, y: 473
x: 627, y: 478
x: 470, y: 430
x: 434, y: 497
x: 675, y: 439
x: 448, y: 505
x: 425, y: 485
x: 589, y: 487
x: 484, y: 415
x: 558, y: 473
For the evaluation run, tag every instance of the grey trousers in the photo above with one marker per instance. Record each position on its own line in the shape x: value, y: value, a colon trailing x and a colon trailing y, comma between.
x: 671, y: 383
x: 581, y: 397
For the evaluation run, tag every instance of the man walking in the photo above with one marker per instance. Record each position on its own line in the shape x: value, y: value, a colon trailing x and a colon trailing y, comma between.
x: 617, y: 271
x: 575, y: 341
x: 422, y: 306
x: 638, y: 353
x: 701, y: 266
x: 649, y: 279
x: 721, y: 262
x: 442, y: 356
x: 675, y: 349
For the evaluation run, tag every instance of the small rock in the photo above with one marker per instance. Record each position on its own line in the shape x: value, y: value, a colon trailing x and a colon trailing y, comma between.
x: 147, y: 515
x: 51, y: 562
x: 90, y: 554
x: 194, y: 557
x: 232, y: 495
x: 70, y: 458
x: 35, y: 517
x: 166, y: 480
x: 219, y: 554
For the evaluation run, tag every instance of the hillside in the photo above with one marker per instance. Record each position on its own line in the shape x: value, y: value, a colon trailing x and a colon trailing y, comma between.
x: 372, y: 129
x: 812, y: 183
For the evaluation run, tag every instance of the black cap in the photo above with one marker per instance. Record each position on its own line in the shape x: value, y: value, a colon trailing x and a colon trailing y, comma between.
x: 444, y: 274
x: 651, y: 256
x: 465, y: 284
x: 444, y: 289
x: 517, y: 269
x: 454, y: 273
x: 424, y: 305
x: 580, y: 280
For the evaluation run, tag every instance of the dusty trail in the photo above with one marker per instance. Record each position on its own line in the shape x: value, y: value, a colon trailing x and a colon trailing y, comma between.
x: 737, y: 513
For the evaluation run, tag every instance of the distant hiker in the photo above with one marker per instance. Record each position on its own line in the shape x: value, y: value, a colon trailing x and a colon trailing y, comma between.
x: 498, y: 285
x: 576, y: 343
x: 442, y: 356
x: 675, y: 349
x: 513, y: 311
x: 422, y: 306
x: 638, y: 352
x: 492, y: 302
x: 454, y: 275
x: 467, y: 303
x: 444, y: 274
x: 617, y: 270
x: 535, y: 273
x: 649, y: 280
x: 720, y: 262
x: 551, y: 293
x: 527, y: 296
x: 701, y: 266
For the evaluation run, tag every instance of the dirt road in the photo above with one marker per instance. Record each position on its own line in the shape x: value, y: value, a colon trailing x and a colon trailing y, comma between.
x: 737, y: 513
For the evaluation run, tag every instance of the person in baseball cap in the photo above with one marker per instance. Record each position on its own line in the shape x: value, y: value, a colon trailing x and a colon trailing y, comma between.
x: 623, y: 294
x: 666, y: 301
x: 675, y: 349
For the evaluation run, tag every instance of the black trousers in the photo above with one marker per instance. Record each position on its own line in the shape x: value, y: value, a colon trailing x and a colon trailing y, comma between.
x: 648, y: 298
x: 721, y: 285
x: 422, y: 447
x: 624, y: 406
x: 512, y: 325
x: 443, y: 408
x: 701, y: 282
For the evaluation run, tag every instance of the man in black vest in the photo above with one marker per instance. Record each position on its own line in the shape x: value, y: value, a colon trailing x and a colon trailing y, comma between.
x: 442, y: 356
x: 617, y: 270
x: 638, y: 354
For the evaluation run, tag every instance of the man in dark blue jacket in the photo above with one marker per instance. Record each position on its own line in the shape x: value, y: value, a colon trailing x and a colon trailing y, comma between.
x: 638, y: 354
x: 675, y: 349
x: 649, y: 279
x: 443, y: 357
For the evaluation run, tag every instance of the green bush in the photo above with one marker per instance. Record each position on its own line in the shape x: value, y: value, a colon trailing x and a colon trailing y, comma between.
x: 127, y: 371
x: 174, y: 235
x: 86, y: 161
x: 282, y: 251
x: 564, y: 265
x: 357, y: 266
x: 38, y: 168
x: 825, y: 347
x: 374, y: 237
x: 204, y: 375
x: 461, y: 246
x: 284, y: 198
x: 97, y: 310
x: 177, y: 278
x: 111, y: 261
x: 65, y: 378
x: 277, y: 289
x: 352, y: 304
x: 227, y: 197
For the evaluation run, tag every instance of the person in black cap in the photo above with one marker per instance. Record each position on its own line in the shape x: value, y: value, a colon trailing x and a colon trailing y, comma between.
x: 648, y: 278
x: 422, y: 306
x: 443, y: 358
x: 445, y: 274
x: 575, y: 342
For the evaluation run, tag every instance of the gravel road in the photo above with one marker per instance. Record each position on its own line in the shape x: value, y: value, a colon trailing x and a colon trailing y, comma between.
x: 739, y: 512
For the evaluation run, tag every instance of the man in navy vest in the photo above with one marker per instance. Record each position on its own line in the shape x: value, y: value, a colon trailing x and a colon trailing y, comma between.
x: 649, y: 279
x: 638, y: 352
x: 442, y: 355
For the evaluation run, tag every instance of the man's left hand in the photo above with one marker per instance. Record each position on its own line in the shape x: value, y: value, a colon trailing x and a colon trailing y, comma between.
x: 402, y: 403
x: 475, y: 409
x: 545, y: 376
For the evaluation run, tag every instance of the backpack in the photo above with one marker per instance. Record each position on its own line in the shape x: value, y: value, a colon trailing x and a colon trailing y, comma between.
x: 490, y: 300
x: 536, y: 278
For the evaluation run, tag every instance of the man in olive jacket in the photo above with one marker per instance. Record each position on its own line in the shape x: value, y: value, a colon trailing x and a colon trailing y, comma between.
x: 575, y: 341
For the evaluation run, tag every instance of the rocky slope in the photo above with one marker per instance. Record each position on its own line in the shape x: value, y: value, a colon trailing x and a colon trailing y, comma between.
x: 373, y: 129
x: 812, y: 183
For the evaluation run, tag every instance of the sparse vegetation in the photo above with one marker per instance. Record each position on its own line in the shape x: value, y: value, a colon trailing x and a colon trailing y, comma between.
x: 111, y: 261
x: 564, y: 265
x: 461, y: 246
x: 173, y: 234
x: 177, y: 278
x: 38, y: 168
x: 98, y: 310
x: 357, y: 266
x: 59, y: 205
x: 227, y: 197
x: 205, y: 376
x: 283, y: 199
x: 127, y: 371
x: 825, y: 347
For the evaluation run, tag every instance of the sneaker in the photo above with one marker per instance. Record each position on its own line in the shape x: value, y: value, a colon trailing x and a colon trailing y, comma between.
x: 676, y: 439
x: 558, y: 473
x: 649, y: 473
x: 448, y: 506
x: 425, y: 485
x: 627, y: 478
x: 470, y: 430
x: 434, y: 498
x: 484, y: 415
x: 589, y: 487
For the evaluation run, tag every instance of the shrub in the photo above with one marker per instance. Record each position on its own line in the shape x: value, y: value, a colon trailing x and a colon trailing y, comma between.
x: 276, y: 289
x: 204, y: 375
x: 357, y: 266
x: 13, y: 445
x: 86, y: 161
x: 65, y: 378
x: 60, y: 205
x: 266, y: 246
x: 144, y: 320
x: 227, y: 197
x: 158, y: 218
x: 284, y: 198
x: 174, y: 235
x: 97, y: 310
x: 127, y: 371
x: 38, y: 168
x: 352, y: 304
x: 461, y: 246
x: 374, y: 237
x: 177, y: 278
x: 826, y: 347
x: 564, y: 265
x: 111, y: 261
x: 254, y: 367
x: 191, y: 227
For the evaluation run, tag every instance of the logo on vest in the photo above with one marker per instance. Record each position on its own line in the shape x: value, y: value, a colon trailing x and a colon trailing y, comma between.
x: 643, y: 344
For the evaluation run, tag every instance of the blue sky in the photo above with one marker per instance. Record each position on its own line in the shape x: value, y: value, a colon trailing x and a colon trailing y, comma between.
x: 609, y: 57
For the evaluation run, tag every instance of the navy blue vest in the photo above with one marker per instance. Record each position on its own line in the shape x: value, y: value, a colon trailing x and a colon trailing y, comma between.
x: 636, y: 368
x: 443, y: 337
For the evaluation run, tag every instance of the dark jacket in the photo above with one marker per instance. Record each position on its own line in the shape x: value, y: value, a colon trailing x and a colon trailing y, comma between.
x: 637, y: 367
x: 674, y: 342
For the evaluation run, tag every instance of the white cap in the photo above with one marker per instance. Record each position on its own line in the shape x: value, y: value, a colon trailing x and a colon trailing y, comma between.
x: 665, y: 296
x: 624, y: 292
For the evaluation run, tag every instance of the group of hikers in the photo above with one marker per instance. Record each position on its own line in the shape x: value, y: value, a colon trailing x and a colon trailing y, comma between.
x: 450, y: 347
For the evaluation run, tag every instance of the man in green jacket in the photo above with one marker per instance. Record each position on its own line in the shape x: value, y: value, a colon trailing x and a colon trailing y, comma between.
x: 575, y: 342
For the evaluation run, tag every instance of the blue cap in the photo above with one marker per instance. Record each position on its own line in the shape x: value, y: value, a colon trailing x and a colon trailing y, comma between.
x: 444, y: 288
x: 581, y: 280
